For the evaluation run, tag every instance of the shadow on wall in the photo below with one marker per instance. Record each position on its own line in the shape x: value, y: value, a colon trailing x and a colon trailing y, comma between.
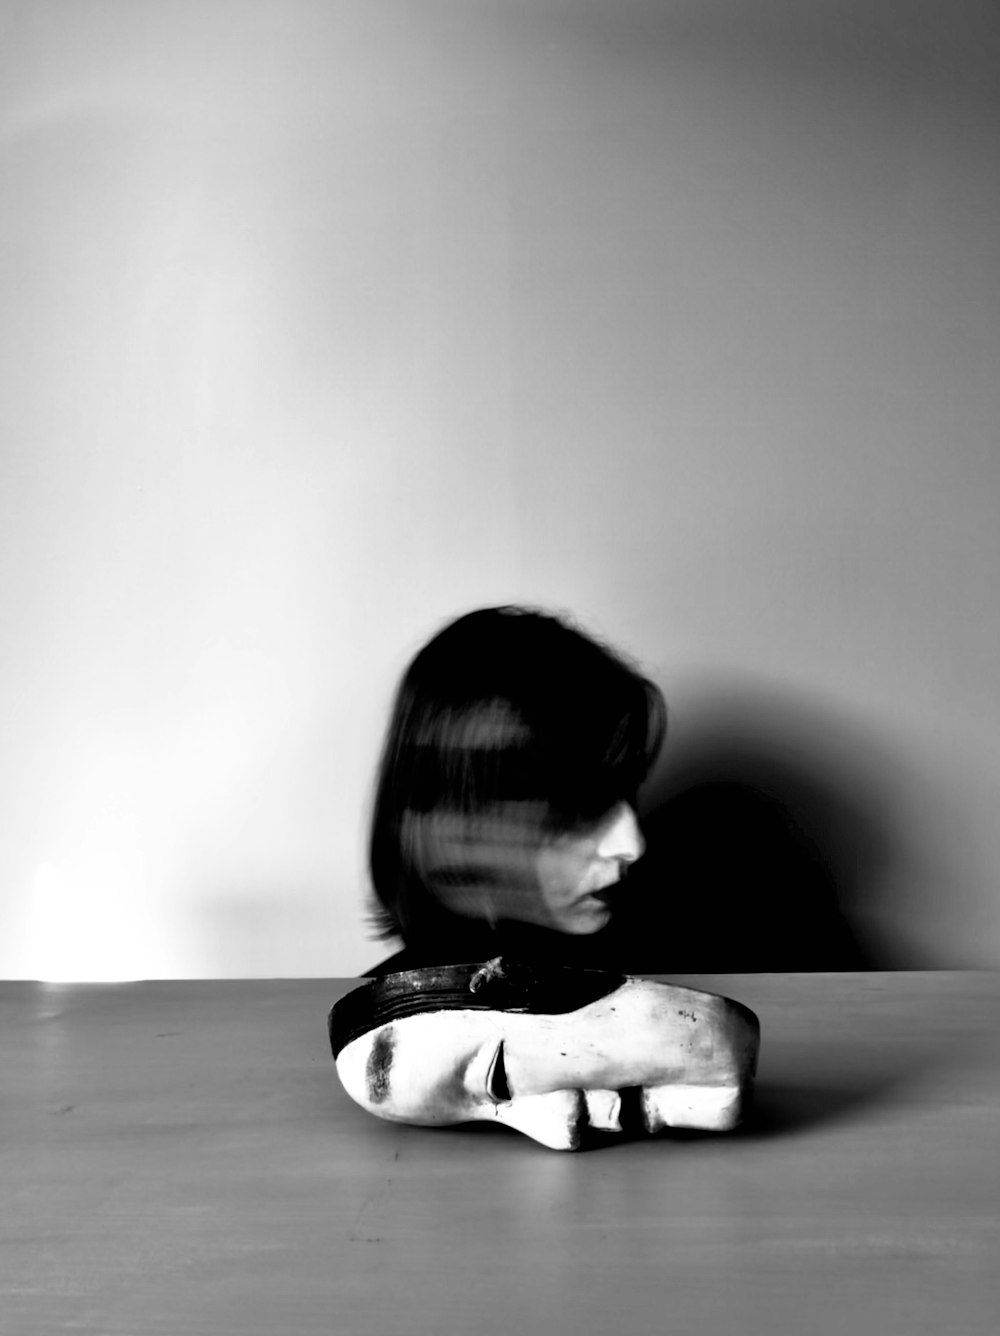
x: 769, y: 832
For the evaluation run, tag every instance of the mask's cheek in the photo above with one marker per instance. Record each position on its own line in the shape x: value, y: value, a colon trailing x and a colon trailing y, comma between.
x: 554, y: 1119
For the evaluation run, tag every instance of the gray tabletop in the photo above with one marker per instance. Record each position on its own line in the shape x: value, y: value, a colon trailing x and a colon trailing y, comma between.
x: 180, y: 1158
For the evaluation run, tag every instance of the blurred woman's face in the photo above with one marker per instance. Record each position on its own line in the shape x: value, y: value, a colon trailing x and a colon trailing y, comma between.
x: 495, y: 867
x: 577, y: 872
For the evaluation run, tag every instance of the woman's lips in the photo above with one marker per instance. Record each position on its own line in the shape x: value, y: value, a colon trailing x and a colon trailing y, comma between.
x: 604, y: 894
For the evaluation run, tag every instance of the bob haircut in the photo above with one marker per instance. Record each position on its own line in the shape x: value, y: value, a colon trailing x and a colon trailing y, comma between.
x: 509, y: 727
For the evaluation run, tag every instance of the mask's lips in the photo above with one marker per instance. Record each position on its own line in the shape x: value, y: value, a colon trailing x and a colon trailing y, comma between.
x: 603, y: 1109
x: 629, y: 1117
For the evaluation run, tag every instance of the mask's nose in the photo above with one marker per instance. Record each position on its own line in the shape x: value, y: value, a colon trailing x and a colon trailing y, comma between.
x: 621, y: 839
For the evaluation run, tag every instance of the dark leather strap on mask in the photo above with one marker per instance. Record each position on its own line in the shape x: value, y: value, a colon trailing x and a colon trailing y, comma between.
x: 494, y: 985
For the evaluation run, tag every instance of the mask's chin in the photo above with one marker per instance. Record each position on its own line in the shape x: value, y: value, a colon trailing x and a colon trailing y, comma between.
x: 705, y: 1108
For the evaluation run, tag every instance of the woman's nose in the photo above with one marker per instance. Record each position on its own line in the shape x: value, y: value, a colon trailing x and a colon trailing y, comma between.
x: 621, y: 837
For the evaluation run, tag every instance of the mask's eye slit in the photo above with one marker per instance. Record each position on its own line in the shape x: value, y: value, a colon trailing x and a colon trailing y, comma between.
x: 496, y: 1081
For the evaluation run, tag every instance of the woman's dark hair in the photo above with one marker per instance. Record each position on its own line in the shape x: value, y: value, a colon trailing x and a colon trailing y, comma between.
x: 509, y: 725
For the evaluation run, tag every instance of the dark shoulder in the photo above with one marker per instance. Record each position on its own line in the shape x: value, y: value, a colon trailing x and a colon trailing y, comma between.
x: 473, y: 943
x: 458, y: 943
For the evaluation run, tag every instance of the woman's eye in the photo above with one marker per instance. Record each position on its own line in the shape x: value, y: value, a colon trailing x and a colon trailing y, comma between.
x: 496, y: 1081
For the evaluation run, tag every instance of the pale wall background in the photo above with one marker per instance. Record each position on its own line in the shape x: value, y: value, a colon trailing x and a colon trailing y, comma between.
x: 323, y: 322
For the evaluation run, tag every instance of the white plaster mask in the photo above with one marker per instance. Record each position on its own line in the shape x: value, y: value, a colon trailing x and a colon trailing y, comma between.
x: 639, y: 1056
